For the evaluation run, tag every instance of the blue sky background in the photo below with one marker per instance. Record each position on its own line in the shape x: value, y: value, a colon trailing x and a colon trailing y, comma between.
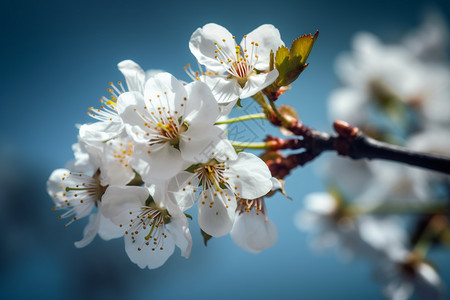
x: 57, y: 58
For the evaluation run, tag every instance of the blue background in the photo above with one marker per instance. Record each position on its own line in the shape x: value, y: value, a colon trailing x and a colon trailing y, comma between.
x: 57, y: 58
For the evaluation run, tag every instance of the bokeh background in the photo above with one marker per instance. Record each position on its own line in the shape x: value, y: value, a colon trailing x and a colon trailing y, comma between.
x: 57, y: 58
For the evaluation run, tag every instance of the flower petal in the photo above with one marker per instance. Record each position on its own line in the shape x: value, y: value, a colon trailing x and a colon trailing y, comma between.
x: 257, y: 82
x: 143, y: 255
x: 225, y: 91
x: 216, y: 213
x: 201, y: 106
x: 253, y: 232
x: 268, y: 37
x: 119, y: 201
x: 166, y: 91
x: 161, y: 164
x: 249, y: 176
x: 200, y: 143
x: 134, y: 75
x: 100, y: 131
x: 181, y: 189
x: 178, y: 229
x: 130, y: 107
x: 90, y: 231
x: 203, y: 47
x: 108, y: 230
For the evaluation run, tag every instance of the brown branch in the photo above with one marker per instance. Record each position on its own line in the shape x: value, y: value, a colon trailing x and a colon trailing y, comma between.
x: 353, y: 143
x: 350, y: 142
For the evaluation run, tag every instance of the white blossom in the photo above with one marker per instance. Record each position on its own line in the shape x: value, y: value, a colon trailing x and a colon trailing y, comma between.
x: 220, y: 183
x: 151, y: 224
x: 172, y: 126
x: 233, y: 68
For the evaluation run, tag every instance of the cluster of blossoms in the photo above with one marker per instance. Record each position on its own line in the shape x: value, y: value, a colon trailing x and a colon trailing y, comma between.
x: 399, y: 94
x: 159, y: 146
x: 155, y: 150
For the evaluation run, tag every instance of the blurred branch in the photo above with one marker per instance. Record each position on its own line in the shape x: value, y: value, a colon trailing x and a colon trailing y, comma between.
x: 350, y: 142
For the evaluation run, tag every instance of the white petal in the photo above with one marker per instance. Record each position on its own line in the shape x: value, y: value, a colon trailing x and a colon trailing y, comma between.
x: 90, y: 231
x: 320, y: 203
x: 158, y: 165
x: 83, y: 162
x: 134, y: 75
x: 54, y: 182
x: 108, y: 230
x: 119, y: 201
x: 202, y: 45
x: 57, y: 183
x: 178, y: 229
x: 217, y: 219
x: 348, y: 104
x: 226, y: 91
x: 224, y: 151
x: 100, y: 131
x: 170, y: 90
x: 249, y: 176
x: 146, y: 257
x: 253, y: 233
x: 201, y: 107
x: 130, y: 107
x: 429, y: 276
x: 257, y: 82
x: 181, y: 189
x: 268, y: 38
x: 114, y: 172
x: 276, y: 184
x: 200, y: 143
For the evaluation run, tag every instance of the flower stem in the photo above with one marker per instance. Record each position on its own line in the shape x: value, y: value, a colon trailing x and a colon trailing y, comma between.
x: 259, y: 97
x: 247, y: 145
x: 435, y: 227
x: 242, y: 118
x: 283, y: 120
x: 358, y: 209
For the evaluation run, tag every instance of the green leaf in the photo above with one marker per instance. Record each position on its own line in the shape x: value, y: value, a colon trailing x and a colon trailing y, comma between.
x: 302, y: 46
x: 290, y: 63
x: 137, y: 180
x: 149, y: 200
x: 206, y: 237
x: 193, y: 167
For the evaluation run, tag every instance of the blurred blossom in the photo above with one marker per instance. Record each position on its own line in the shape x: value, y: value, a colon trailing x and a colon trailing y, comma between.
x: 393, y: 79
x: 398, y: 93
x: 403, y: 275
x: 325, y: 215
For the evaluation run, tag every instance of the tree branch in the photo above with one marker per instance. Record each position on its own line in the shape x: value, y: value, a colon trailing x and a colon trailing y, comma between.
x: 353, y: 143
x: 350, y: 142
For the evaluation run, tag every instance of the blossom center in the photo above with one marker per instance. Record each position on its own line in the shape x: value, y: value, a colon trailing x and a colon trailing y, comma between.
x: 122, y: 152
x: 241, y: 63
x: 79, y: 194
x: 165, y: 125
x: 245, y: 205
x: 211, y: 176
x: 150, y: 220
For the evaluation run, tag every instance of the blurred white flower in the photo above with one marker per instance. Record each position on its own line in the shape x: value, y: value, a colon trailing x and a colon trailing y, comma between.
x: 389, y: 76
x: 405, y: 274
x: 325, y: 217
